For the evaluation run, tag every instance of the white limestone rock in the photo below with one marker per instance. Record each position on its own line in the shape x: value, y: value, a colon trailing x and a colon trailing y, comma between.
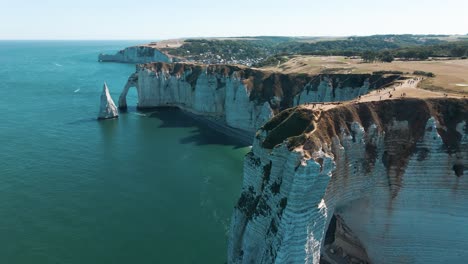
x: 107, y: 110
x: 225, y: 92
x: 397, y: 189
x: 136, y: 54
x: 326, y: 93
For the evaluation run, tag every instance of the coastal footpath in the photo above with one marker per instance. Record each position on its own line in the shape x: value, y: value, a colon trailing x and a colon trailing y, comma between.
x: 371, y: 182
x: 241, y: 97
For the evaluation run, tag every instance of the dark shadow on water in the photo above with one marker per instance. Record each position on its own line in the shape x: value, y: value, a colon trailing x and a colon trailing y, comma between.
x: 108, y: 129
x: 128, y: 109
x: 205, y: 132
x: 83, y: 120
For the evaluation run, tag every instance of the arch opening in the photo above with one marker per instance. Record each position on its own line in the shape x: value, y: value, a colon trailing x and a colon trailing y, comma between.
x: 131, y: 94
x: 132, y: 99
x: 341, y: 245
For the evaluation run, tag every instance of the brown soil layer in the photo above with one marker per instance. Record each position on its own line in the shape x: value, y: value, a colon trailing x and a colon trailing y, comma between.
x: 320, y: 126
x: 265, y: 85
x: 448, y: 112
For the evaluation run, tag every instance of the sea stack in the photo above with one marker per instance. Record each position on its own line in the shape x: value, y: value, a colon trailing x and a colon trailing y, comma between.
x: 108, y: 109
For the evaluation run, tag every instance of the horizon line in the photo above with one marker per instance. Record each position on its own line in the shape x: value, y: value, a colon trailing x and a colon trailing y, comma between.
x: 245, y: 36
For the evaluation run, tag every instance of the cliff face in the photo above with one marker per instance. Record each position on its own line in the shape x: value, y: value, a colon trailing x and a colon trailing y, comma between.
x: 136, y: 54
x: 378, y: 182
x: 241, y: 97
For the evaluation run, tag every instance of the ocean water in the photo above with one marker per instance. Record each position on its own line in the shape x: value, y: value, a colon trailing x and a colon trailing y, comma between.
x: 149, y: 187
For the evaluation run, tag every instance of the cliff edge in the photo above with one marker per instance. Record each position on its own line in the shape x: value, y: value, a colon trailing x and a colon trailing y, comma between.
x: 371, y: 182
x: 136, y: 54
x: 241, y: 97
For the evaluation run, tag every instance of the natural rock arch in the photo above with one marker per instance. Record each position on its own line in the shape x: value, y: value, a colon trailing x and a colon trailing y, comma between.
x: 341, y: 244
x: 132, y: 82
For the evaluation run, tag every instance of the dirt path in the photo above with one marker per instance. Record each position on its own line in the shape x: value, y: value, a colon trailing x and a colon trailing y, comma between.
x: 404, y: 89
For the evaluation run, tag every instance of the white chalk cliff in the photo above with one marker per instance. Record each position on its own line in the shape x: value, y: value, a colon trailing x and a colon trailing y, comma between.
x: 107, y: 109
x: 136, y: 54
x: 243, y: 98
x: 378, y: 182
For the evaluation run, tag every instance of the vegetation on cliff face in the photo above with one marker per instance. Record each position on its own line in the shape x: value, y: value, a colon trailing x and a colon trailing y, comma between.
x: 296, y: 123
x: 290, y: 123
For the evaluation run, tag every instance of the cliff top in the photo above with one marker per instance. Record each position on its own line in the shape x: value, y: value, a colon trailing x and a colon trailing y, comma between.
x: 402, y: 123
x: 308, y: 127
x: 450, y: 75
x: 264, y: 85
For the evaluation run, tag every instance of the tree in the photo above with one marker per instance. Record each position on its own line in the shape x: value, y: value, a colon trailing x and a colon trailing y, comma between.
x: 369, y: 56
x: 386, y: 56
x: 422, y: 55
x: 458, y: 51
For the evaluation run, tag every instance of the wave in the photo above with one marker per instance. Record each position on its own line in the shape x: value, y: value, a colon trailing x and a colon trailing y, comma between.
x: 58, y: 65
x: 77, y: 90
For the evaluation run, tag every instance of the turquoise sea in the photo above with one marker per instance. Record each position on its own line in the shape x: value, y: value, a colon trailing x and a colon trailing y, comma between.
x: 149, y: 187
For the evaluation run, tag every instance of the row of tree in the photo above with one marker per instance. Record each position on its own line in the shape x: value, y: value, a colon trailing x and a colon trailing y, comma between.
x: 455, y: 49
x: 371, y: 48
x: 371, y: 56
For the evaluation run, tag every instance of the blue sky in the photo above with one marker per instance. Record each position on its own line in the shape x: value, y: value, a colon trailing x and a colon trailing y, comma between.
x: 144, y: 19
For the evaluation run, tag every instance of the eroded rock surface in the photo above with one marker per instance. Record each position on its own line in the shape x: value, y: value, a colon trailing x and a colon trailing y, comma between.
x: 107, y: 109
x: 374, y: 182
x: 241, y: 97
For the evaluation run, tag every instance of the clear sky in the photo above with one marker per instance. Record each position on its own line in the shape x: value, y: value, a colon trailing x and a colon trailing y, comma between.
x: 155, y: 19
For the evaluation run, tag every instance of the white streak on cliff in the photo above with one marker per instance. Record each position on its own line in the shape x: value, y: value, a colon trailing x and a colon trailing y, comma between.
x: 407, y: 218
x: 225, y: 96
